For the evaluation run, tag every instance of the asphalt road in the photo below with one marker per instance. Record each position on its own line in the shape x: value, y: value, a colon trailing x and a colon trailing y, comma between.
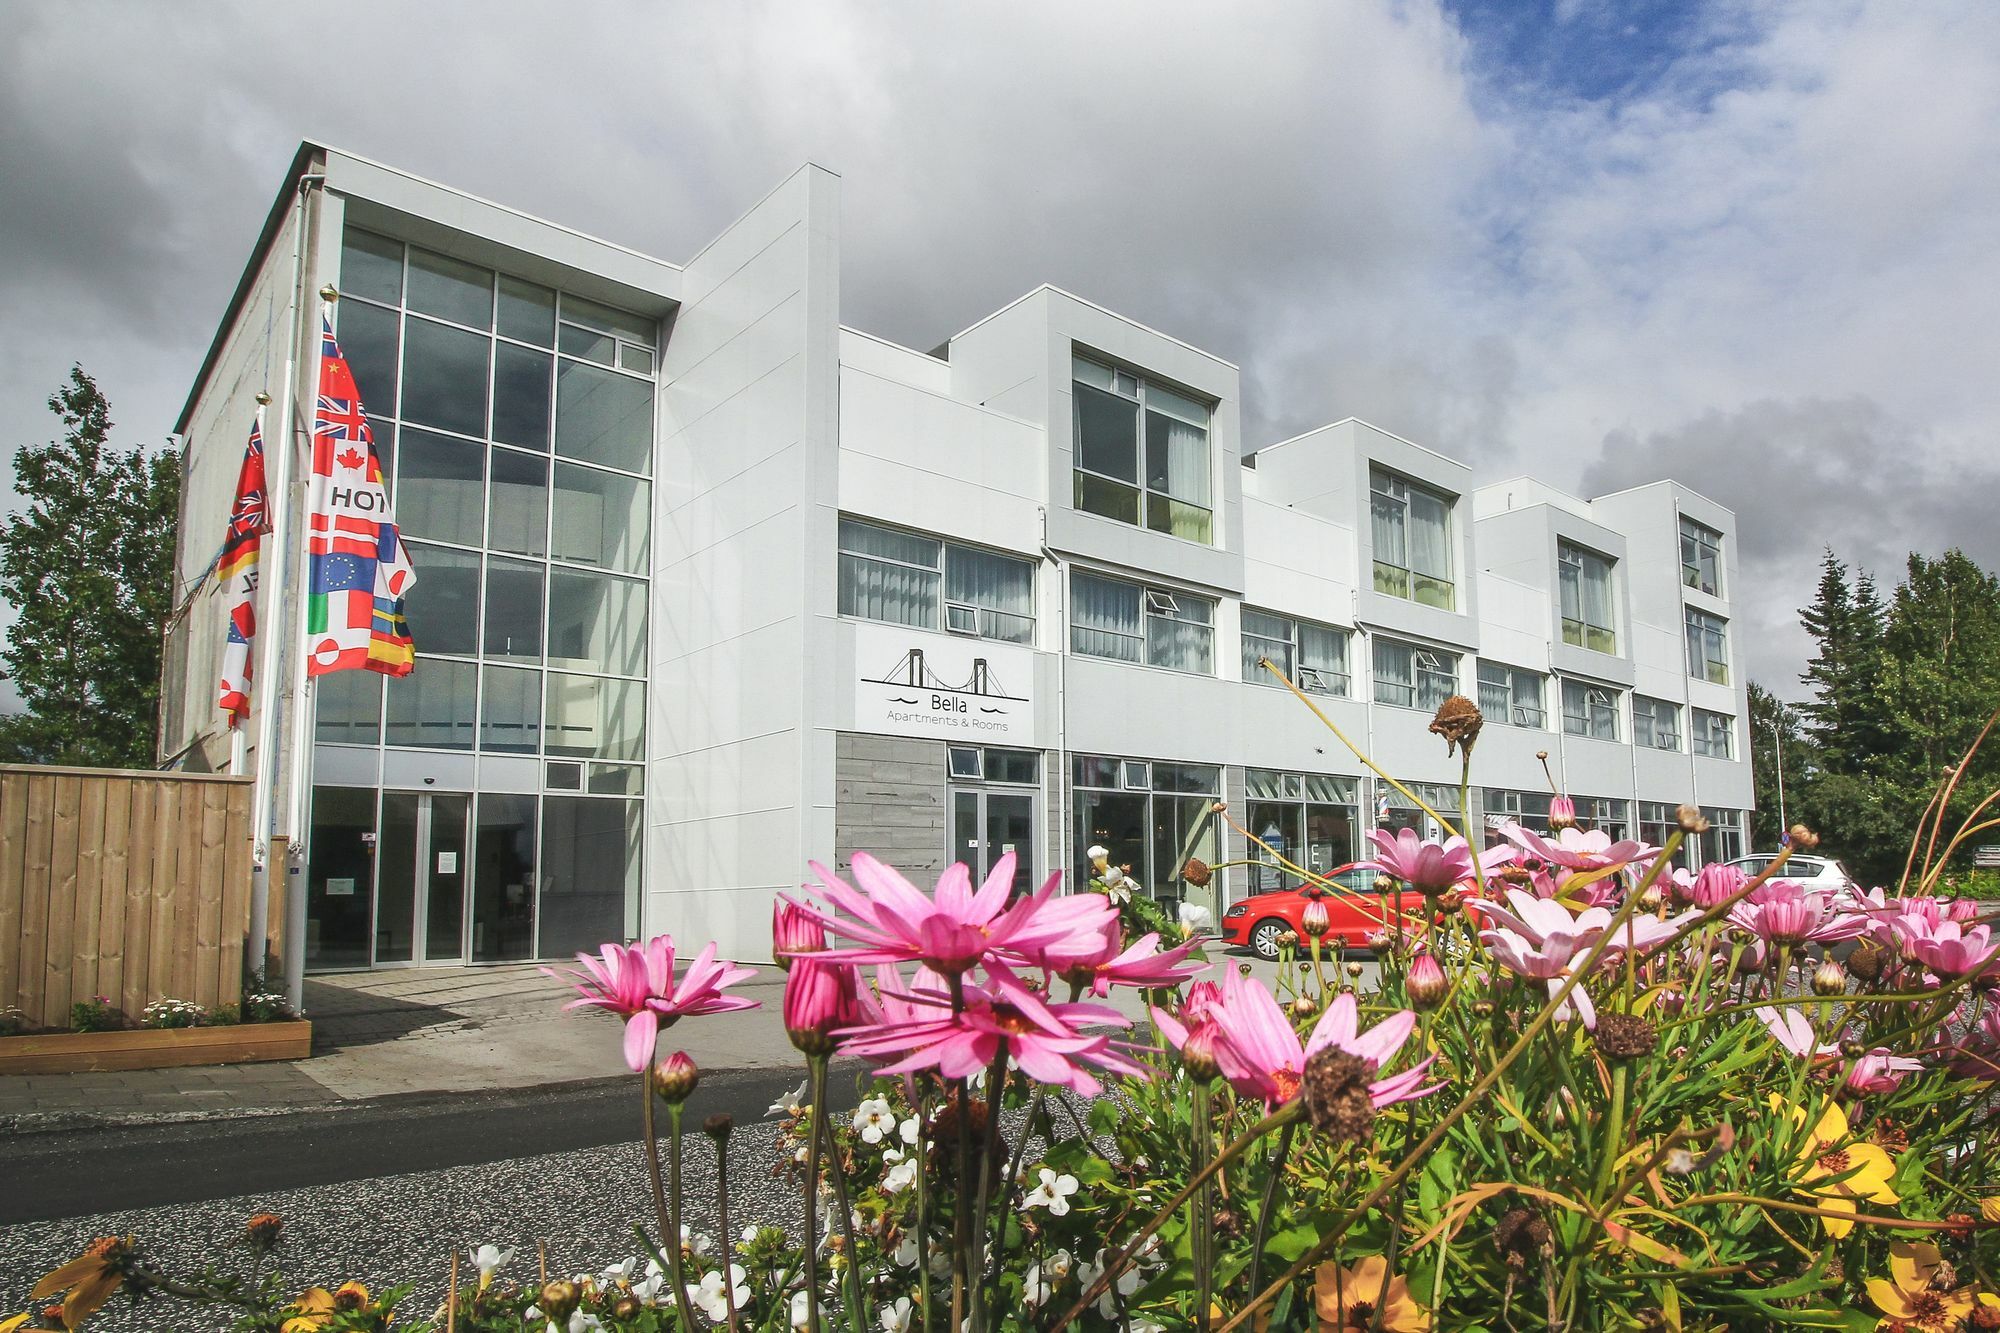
x: 84, y: 1173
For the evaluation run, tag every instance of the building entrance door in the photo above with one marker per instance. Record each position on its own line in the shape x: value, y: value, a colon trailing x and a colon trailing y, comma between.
x: 421, y: 877
x: 987, y: 824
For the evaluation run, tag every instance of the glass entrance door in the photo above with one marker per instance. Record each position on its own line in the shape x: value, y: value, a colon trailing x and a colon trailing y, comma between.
x: 421, y: 878
x: 986, y: 825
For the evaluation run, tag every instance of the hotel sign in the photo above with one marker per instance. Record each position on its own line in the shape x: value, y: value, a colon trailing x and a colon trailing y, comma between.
x: 938, y: 686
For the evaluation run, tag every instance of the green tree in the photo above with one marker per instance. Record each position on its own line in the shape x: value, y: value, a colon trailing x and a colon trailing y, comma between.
x: 1843, y: 715
x: 88, y: 566
x: 1782, y: 761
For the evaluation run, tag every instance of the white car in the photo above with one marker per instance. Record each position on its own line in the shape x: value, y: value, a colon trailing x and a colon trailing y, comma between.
x: 1818, y: 872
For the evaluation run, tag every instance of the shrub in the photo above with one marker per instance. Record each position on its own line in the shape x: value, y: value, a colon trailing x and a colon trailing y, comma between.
x: 12, y: 1021
x: 95, y: 1015
x: 266, y: 1007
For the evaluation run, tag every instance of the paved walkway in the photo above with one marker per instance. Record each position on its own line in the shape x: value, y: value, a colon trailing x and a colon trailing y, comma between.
x: 414, y: 1031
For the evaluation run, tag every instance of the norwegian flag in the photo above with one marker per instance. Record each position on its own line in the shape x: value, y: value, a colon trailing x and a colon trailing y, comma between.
x: 236, y: 573
x: 359, y: 569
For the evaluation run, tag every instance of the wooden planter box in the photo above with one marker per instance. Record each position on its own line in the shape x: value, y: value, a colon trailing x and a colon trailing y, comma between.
x: 154, y: 1048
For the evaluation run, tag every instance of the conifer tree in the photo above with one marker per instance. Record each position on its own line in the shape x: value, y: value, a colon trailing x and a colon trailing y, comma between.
x: 88, y: 565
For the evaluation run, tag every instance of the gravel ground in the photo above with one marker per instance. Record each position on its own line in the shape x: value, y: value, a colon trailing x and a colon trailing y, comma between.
x: 579, y: 1204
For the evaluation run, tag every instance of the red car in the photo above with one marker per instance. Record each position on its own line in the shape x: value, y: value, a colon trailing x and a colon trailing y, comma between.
x: 1257, y: 921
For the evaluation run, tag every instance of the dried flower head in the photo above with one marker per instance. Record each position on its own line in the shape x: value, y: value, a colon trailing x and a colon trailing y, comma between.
x: 1868, y: 961
x: 263, y: 1229
x: 1519, y: 1235
x: 1197, y: 872
x: 1692, y: 821
x: 1335, y: 1088
x: 718, y: 1125
x: 1625, y: 1036
x: 1803, y: 838
x: 1458, y: 720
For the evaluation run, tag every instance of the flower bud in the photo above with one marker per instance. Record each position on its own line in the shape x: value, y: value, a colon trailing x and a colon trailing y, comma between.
x: 820, y: 998
x: 1425, y: 983
x: 1385, y: 884
x: 793, y: 932
x: 1198, y: 1053
x: 1287, y: 939
x: 1853, y: 1050
x: 1482, y: 1008
x: 1315, y: 918
x: 1304, y: 1007
x: 674, y: 1079
x: 1716, y: 883
x: 1562, y: 813
x: 558, y: 1299
x: 626, y: 1307
x: 1692, y: 821
x: 1354, y: 970
x: 1650, y: 900
x: 1830, y: 979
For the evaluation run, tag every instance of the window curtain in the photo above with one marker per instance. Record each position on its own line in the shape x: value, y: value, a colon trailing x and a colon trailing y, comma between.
x: 1387, y: 522
x: 1394, y: 673
x: 1003, y: 589
x: 1323, y: 650
x: 1430, y: 536
x: 1186, y: 644
x: 898, y: 594
x: 1105, y: 619
x: 1597, y: 593
x: 1177, y: 459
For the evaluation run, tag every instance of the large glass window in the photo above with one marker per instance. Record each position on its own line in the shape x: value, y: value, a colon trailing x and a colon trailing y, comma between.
x: 1724, y: 839
x: 503, y: 878
x: 1411, y: 529
x: 520, y: 502
x: 1502, y: 807
x: 1410, y: 676
x: 1701, y: 556
x: 510, y: 711
x: 597, y: 622
x: 589, y: 881
x: 601, y: 518
x: 1142, y: 813
x: 1590, y: 710
x: 1714, y: 734
x: 908, y: 579
x: 513, y: 609
x: 1588, y: 618
x: 443, y: 607
x: 441, y: 487
x: 1605, y: 814
x: 521, y: 396
x: 1511, y: 696
x: 1310, y: 819
x: 1169, y: 489
x: 1313, y: 657
x: 593, y: 717
x: 604, y: 416
x: 1656, y: 723
x: 347, y: 708
x: 369, y: 338
x: 432, y: 707
x: 1708, y: 647
x: 444, y: 377
x: 1133, y: 623
x: 1395, y: 811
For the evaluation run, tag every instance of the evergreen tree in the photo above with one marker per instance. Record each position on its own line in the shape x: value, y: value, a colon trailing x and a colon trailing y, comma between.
x: 88, y: 564
x: 1782, y: 764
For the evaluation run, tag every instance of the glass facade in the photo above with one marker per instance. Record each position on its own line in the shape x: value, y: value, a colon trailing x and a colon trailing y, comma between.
x: 1141, y: 452
x: 1309, y: 819
x: 1142, y: 812
x: 516, y: 429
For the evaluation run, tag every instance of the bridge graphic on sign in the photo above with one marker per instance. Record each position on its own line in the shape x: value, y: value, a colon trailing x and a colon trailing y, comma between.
x: 912, y: 671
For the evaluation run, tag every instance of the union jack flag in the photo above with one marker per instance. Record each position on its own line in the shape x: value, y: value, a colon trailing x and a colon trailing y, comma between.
x: 360, y: 570
x: 236, y: 573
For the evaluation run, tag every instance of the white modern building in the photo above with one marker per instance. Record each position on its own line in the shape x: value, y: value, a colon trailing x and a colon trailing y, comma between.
x: 711, y: 585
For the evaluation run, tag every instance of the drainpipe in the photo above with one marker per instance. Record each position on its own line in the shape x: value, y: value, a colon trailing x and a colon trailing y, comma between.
x: 1064, y: 817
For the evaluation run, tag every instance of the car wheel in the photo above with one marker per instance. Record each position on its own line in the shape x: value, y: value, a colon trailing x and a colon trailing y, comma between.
x: 1264, y: 938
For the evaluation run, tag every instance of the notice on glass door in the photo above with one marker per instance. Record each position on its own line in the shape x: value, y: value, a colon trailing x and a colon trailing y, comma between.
x: 447, y: 863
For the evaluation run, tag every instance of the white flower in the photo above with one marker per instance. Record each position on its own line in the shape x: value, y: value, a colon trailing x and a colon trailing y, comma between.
x: 901, y: 1176
x: 906, y: 1254
x: 713, y: 1297
x: 749, y: 1235
x: 488, y: 1259
x: 911, y: 1129
x: 792, y: 1103
x: 801, y: 1310
x: 649, y: 1287
x: 693, y: 1243
x: 1043, y: 1278
x: 1195, y: 917
x: 1107, y: 1304
x: 580, y: 1322
x: 874, y: 1119
x: 1142, y: 1325
x: 896, y: 1317
x: 613, y: 1273
x: 1052, y: 1193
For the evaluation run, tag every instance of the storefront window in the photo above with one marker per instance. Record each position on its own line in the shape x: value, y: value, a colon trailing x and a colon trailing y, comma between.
x: 1142, y: 813
x: 1309, y: 819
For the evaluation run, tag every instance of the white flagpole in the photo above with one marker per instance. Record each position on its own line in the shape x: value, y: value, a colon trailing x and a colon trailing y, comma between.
x: 271, y: 622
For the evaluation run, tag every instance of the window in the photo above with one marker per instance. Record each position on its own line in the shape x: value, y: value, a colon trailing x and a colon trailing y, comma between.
x: 1701, y: 557
x: 1412, y: 534
x: 1590, y: 710
x: 975, y: 763
x: 1313, y: 657
x: 1394, y: 811
x: 1708, y: 647
x: 1501, y: 808
x: 1587, y: 617
x: 1604, y: 814
x: 1656, y: 723
x: 1413, y: 677
x: 1511, y: 696
x: 1310, y: 819
x: 1724, y: 839
x: 1142, y: 813
x: 1714, y: 734
x: 1141, y: 452
x: 907, y: 579
x: 1130, y: 623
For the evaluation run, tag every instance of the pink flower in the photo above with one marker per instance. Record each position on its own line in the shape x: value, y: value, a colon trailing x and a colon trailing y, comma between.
x: 955, y: 928
x: 1562, y: 812
x: 1003, y: 1015
x: 1540, y: 939
x: 1259, y: 1051
x: 1092, y: 958
x: 1880, y: 1070
x: 1642, y: 934
x: 637, y: 983
x: 1576, y: 849
x: 793, y: 932
x: 821, y: 997
x: 1427, y: 867
x: 1716, y: 883
x: 1201, y: 997
x: 1782, y: 911
x: 1977, y: 1054
x: 1950, y: 949
x: 1794, y: 1031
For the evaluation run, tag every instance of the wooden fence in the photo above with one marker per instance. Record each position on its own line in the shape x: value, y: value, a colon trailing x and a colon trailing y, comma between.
x: 133, y: 886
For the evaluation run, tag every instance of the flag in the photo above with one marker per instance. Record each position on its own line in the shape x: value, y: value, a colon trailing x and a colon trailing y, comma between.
x: 236, y: 572
x: 358, y: 570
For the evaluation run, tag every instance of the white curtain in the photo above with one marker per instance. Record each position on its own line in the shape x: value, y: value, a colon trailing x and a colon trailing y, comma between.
x: 1430, y: 535
x: 1003, y: 589
x: 1105, y: 619
x: 1387, y: 524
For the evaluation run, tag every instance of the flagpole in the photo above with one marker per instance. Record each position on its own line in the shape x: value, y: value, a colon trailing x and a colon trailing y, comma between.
x: 271, y: 583
x: 239, y: 731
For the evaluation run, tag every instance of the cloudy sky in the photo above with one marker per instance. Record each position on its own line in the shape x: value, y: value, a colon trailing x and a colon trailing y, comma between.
x: 1752, y: 244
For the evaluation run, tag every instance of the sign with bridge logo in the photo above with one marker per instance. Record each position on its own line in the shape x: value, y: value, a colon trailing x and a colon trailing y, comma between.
x: 910, y: 683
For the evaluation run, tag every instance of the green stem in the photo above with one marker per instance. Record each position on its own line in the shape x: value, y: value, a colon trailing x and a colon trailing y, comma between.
x: 961, y: 1223
x: 672, y: 1240
x: 857, y: 1307
x: 1277, y: 1161
x: 996, y: 1084
x: 816, y: 1089
x: 922, y: 1149
x: 722, y: 1221
x: 1201, y: 1212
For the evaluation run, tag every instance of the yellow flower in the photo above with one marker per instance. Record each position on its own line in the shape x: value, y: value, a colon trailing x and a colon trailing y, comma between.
x: 1915, y: 1293
x: 90, y: 1279
x: 1348, y: 1298
x: 316, y: 1306
x: 9, y: 1325
x: 1837, y: 1169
